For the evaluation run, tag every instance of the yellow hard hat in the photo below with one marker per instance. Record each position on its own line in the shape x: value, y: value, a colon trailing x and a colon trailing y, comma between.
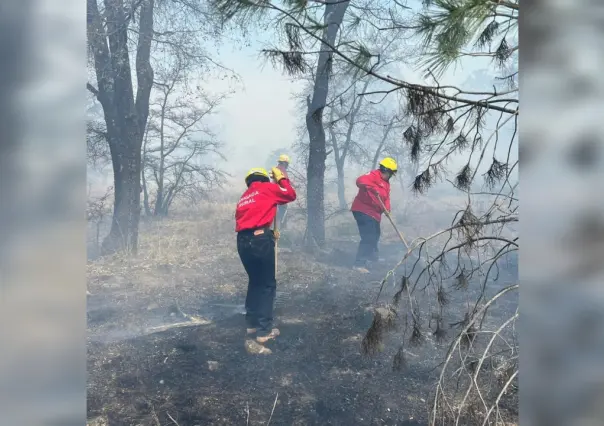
x: 284, y: 158
x: 257, y: 171
x: 389, y: 163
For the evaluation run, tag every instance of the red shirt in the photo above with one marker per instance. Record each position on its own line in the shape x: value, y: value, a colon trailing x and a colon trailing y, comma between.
x: 366, y: 201
x: 257, y: 206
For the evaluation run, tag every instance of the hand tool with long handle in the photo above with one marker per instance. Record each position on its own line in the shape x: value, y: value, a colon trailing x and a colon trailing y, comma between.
x: 276, y: 230
x: 387, y: 213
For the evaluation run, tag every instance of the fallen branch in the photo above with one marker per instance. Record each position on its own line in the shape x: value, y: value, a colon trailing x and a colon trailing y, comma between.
x: 420, y: 241
x: 457, y: 342
x: 172, y: 418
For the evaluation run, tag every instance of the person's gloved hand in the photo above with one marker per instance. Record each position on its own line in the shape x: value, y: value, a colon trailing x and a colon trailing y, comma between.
x: 277, y: 174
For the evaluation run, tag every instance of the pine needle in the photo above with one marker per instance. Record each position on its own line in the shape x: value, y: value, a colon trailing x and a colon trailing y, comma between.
x: 416, y: 331
x: 496, y: 173
x: 469, y: 225
x: 442, y: 296
x: 461, y: 282
x: 397, y: 296
x: 413, y: 137
x: 464, y: 177
x: 486, y: 37
x: 463, y: 323
x: 450, y: 126
x: 292, y: 62
x: 503, y: 53
x: 440, y: 334
x: 416, y: 334
x: 423, y: 181
x: 460, y: 143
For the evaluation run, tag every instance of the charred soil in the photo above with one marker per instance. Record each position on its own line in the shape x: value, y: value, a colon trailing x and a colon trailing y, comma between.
x: 166, y: 344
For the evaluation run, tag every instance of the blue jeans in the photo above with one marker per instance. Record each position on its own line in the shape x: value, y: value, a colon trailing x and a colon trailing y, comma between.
x: 257, y: 253
x: 369, y: 229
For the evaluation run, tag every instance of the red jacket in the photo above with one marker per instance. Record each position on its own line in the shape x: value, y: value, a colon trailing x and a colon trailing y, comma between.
x: 366, y: 201
x: 257, y: 206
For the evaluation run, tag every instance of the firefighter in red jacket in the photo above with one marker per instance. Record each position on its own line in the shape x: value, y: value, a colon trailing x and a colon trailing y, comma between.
x: 367, y: 210
x: 255, y: 213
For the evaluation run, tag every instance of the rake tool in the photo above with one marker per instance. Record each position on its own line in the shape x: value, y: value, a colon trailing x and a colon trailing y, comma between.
x: 389, y: 216
x: 276, y: 230
x: 280, y: 296
x: 400, y: 235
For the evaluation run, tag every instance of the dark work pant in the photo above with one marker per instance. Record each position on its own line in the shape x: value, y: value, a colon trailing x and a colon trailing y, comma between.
x: 257, y: 253
x: 369, y: 229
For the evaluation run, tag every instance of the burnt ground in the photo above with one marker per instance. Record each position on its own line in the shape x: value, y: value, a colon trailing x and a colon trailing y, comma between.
x: 149, y: 365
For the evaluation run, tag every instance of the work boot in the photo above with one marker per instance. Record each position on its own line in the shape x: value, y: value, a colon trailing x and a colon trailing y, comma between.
x: 251, y: 331
x: 361, y: 269
x: 263, y: 339
x: 254, y: 348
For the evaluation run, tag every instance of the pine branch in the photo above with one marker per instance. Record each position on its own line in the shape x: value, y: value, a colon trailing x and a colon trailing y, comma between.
x: 398, y: 83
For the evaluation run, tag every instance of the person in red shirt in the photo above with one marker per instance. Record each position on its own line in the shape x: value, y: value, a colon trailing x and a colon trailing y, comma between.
x: 367, y: 210
x: 282, y: 164
x: 254, y: 215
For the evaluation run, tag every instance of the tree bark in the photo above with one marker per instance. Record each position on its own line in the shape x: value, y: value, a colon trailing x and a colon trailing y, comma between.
x: 159, y: 199
x: 341, y: 189
x: 339, y: 162
x: 125, y: 116
x: 342, y: 154
x: 144, y: 180
x: 315, y: 172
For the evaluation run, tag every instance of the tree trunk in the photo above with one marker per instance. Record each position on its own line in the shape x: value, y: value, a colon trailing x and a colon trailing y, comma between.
x: 126, y: 209
x: 159, y: 201
x: 378, y: 151
x: 317, y: 152
x: 339, y: 162
x: 406, y: 201
x: 161, y: 209
x: 144, y: 180
x: 341, y: 189
x: 125, y: 116
x: 146, y: 199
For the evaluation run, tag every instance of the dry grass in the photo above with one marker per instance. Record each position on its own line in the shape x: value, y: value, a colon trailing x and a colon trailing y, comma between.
x: 188, y: 240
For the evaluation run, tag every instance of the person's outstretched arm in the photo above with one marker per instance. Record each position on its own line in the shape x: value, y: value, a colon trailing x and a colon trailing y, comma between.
x: 282, y: 190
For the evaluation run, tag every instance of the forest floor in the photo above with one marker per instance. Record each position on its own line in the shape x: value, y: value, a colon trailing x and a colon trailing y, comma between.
x: 166, y: 338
